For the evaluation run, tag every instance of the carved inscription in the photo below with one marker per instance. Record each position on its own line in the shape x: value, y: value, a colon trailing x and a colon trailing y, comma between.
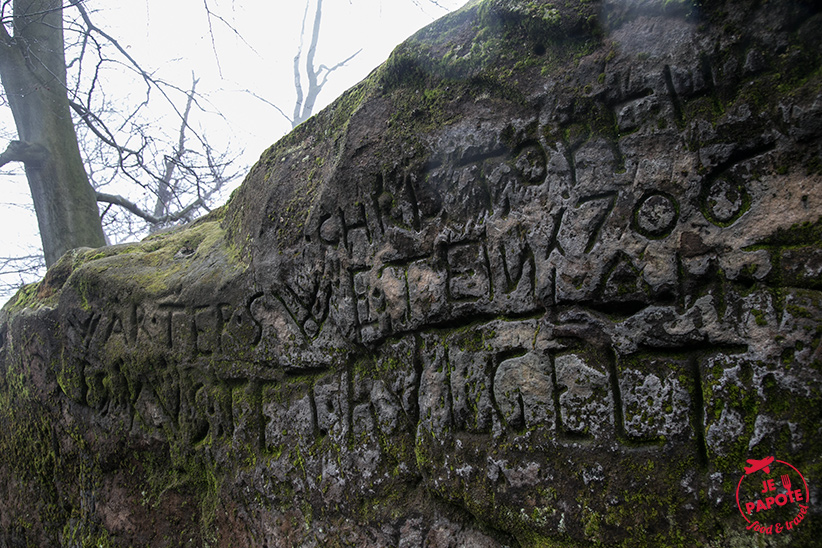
x: 498, y: 378
x: 724, y: 201
x: 600, y: 271
x: 376, y: 279
x: 469, y: 276
x: 524, y: 390
x: 442, y: 238
x: 584, y: 399
x: 656, y: 215
x: 167, y: 329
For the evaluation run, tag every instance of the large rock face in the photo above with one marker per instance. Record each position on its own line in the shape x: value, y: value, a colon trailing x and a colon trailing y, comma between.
x: 549, y: 276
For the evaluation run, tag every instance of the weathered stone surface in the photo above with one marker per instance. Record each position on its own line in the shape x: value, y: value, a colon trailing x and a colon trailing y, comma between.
x: 551, y: 274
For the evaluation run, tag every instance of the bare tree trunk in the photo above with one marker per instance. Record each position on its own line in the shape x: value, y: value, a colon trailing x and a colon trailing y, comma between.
x: 33, y: 73
x: 317, y: 76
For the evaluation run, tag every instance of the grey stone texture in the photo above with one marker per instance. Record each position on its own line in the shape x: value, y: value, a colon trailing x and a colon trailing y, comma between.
x: 547, y: 277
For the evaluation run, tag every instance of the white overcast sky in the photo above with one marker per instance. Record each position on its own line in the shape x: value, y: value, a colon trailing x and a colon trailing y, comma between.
x: 171, y: 38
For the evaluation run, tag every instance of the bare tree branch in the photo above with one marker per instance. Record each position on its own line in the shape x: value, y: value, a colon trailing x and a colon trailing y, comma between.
x: 15, y: 272
x: 27, y: 262
x: 27, y: 153
x: 269, y: 103
x: 298, y: 104
x: 238, y: 34
x: 213, y: 41
x: 148, y: 78
x: 202, y: 181
x: 164, y: 184
x: 329, y: 70
x: 317, y: 77
x: 309, y: 60
x: 136, y: 210
x: 93, y: 28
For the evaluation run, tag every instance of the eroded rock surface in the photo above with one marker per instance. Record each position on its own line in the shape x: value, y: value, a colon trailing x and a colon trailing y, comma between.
x: 549, y: 275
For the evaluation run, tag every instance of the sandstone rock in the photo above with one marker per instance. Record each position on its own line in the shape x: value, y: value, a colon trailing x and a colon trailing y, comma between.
x: 549, y: 276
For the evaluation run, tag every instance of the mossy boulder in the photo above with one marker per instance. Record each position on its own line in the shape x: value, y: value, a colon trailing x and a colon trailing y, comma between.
x: 550, y: 276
